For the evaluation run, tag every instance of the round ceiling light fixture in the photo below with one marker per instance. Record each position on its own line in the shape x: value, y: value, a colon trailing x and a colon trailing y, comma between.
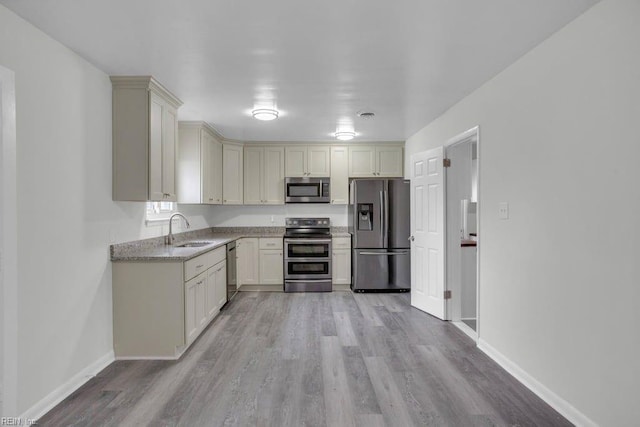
x: 345, y: 135
x: 264, y: 114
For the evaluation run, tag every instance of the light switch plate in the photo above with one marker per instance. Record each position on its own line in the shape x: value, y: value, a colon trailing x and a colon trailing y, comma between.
x: 503, y: 210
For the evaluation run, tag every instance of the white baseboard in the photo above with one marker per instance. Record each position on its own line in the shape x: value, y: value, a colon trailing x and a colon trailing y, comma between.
x: 551, y: 398
x: 62, y: 392
x: 467, y: 330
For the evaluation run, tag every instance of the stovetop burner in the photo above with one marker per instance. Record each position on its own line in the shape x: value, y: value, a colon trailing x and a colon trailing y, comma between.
x: 308, y: 227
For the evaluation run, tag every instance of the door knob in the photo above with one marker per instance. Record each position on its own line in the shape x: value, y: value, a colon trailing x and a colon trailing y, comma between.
x: 411, y: 238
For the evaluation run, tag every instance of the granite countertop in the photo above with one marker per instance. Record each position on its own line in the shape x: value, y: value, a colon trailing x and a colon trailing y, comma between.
x: 155, y: 250
x: 340, y: 234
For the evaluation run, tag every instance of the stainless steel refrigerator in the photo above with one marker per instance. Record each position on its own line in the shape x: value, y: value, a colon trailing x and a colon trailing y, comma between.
x: 380, y: 228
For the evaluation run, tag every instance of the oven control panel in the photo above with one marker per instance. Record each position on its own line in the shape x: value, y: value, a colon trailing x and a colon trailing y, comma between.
x: 308, y: 222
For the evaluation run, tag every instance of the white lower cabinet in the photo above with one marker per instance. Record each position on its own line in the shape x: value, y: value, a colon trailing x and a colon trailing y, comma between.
x: 160, y: 308
x: 216, y: 289
x: 194, y: 306
x: 260, y: 261
x: 341, y: 261
x: 248, y: 267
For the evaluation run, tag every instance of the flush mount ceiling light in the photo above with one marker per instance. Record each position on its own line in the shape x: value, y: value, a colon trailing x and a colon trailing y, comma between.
x: 265, y: 114
x: 345, y: 135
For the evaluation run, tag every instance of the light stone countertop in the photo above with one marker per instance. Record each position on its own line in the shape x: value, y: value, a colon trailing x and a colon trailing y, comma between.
x: 155, y: 250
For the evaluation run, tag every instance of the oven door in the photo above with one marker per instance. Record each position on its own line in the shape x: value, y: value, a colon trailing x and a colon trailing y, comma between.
x: 298, y: 248
x: 307, y: 269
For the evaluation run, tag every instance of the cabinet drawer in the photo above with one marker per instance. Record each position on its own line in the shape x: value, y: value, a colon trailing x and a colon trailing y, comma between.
x: 271, y: 243
x: 197, y: 265
x: 217, y: 255
x: 341, y: 243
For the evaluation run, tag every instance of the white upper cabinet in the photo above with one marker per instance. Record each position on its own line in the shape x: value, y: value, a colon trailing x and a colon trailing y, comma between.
x: 199, y: 164
x: 389, y: 161
x: 308, y: 161
x: 368, y: 161
x: 263, y: 175
x: 339, y: 175
x: 145, y: 134
x: 273, y: 182
x: 232, y: 173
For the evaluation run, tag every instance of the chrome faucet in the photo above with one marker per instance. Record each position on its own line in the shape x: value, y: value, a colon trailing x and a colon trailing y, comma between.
x: 169, y: 239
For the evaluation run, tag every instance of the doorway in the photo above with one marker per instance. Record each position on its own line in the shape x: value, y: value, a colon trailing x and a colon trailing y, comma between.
x: 461, y: 200
x: 444, y: 231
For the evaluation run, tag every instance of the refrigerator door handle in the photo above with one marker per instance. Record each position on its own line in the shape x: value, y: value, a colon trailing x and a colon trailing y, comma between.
x: 384, y: 253
x: 383, y: 242
x: 386, y: 219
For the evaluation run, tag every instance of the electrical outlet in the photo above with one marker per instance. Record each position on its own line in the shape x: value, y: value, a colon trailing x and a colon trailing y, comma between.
x: 503, y: 210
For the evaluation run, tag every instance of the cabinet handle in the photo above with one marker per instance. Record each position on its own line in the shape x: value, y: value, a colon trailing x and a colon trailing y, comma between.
x: 224, y: 200
x: 200, y: 266
x: 210, y: 199
x: 200, y: 282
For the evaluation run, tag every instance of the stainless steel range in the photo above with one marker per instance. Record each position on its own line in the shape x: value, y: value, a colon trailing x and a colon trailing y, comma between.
x: 307, y: 255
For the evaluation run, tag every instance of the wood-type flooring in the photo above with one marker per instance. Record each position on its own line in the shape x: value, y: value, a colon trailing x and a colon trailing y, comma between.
x: 312, y: 359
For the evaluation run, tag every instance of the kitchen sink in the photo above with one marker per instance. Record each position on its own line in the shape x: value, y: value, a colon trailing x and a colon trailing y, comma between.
x: 193, y: 244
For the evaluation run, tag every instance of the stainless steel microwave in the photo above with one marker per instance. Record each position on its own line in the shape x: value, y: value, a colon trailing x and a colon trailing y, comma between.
x: 307, y: 190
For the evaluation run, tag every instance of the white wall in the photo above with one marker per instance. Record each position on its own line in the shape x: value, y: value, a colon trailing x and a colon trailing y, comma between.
x: 261, y: 216
x: 559, y: 279
x: 66, y: 218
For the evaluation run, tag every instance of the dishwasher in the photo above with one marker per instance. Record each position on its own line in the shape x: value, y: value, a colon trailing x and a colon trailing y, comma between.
x: 232, y: 274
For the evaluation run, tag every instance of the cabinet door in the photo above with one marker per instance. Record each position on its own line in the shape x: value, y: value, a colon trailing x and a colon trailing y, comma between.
x: 155, y: 148
x: 341, y: 267
x: 271, y: 267
x: 216, y: 176
x: 201, y: 303
x: 273, y: 180
x: 248, y: 267
x: 253, y: 173
x: 389, y: 161
x: 221, y: 285
x: 211, y: 307
x: 296, y: 161
x: 169, y: 141
x: 207, y: 167
x: 339, y: 176
x: 361, y: 161
x: 194, y: 306
x: 318, y: 161
x: 232, y: 164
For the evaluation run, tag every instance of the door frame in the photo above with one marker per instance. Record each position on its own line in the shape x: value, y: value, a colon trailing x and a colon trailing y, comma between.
x: 469, y: 135
x: 8, y: 245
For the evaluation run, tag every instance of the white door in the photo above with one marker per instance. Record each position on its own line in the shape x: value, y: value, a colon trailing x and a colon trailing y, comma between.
x: 427, y: 229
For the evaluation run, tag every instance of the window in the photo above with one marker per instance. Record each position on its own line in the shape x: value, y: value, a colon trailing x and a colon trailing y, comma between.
x: 159, y: 212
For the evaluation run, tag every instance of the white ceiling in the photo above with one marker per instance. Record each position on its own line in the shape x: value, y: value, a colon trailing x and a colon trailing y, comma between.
x: 319, y: 62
